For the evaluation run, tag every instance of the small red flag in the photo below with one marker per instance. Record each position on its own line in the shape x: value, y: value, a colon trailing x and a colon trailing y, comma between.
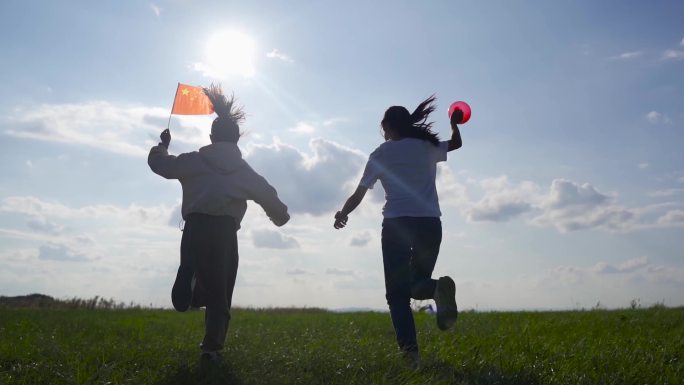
x: 191, y: 100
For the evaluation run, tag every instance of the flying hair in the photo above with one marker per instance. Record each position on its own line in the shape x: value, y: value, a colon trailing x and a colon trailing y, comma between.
x: 226, y: 127
x: 224, y: 107
x: 422, y: 112
x: 415, y: 124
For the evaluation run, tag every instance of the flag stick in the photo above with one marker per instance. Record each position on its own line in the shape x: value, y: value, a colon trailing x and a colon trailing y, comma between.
x: 174, y: 103
x: 169, y: 122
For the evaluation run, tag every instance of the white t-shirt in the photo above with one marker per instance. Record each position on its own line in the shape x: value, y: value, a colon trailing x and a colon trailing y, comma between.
x: 407, y: 169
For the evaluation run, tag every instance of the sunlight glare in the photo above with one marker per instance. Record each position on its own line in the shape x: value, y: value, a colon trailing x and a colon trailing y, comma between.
x: 229, y: 53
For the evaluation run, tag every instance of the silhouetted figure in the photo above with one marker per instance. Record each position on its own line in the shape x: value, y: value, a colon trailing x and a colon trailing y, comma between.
x: 411, y: 230
x: 216, y: 183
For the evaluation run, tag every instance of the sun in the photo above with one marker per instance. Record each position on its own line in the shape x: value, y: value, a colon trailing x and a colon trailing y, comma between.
x: 229, y: 53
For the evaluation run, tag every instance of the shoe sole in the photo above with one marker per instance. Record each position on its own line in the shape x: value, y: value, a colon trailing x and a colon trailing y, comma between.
x: 209, y: 362
x: 447, y: 310
x: 412, y: 360
x: 181, y: 293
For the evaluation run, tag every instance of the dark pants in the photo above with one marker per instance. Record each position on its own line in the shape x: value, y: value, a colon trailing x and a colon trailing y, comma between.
x: 409, y: 252
x: 209, y: 244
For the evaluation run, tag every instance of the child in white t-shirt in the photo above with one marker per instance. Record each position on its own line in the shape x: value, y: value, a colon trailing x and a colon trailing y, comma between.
x: 411, y: 230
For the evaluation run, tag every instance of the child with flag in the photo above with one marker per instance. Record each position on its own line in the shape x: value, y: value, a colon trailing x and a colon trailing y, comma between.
x: 216, y: 184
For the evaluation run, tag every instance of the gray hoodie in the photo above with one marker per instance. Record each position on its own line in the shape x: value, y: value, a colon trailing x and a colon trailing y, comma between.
x: 217, y: 181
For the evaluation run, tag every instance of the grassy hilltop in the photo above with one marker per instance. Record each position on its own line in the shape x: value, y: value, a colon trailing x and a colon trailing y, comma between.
x: 137, y: 346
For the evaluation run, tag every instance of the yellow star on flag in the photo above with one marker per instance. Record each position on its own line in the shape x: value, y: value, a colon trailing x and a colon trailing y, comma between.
x: 185, y: 91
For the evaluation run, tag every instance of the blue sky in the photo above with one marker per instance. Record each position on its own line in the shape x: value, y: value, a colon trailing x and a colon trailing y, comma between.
x: 569, y: 189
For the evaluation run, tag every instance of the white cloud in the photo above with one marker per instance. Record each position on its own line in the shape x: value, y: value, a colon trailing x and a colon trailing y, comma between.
x: 271, y: 239
x: 567, y: 205
x: 340, y: 272
x: 361, y: 239
x: 127, y: 252
x: 629, y: 266
x: 309, y: 127
x: 672, y: 218
x: 275, y: 54
x: 113, y: 128
x: 501, y: 201
x: 145, y: 265
x: 60, y: 253
x: 565, y: 193
x: 643, y: 166
x: 314, y: 184
x: 303, y: 128
x: 126, y: 258
x: 334, y: 121
x: 298, y: 272
x: 654, y: 116
x: 39, y: 210
x: 570, y: 206
x: 628, y: 55
x: 450, y: 190
x: 682, y: 42
x: 43, y: 225
x: 497, y: 211
x: 59, y: 246
x: 155, y: 8
x: 672, y: 54
x: 26, y: 236
x: 87, y: 232
x: 176, y: 217
x: 132, y: 130
x: 666, y: 192
x: 611, y: 284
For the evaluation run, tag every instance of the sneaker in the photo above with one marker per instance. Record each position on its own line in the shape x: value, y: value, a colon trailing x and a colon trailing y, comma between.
x: 412, y: 359
x: 181, y: 293
x: 445, y: 299
x: 209, y: 360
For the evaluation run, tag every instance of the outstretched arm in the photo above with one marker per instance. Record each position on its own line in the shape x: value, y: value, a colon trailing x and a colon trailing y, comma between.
x: 343, y: 215
x: 255, y: 187
x: 159, y: 160
x: 266, y: 196
x: 455, y: 142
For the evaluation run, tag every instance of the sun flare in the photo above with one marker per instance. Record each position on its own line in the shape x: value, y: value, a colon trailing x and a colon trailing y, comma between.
x: 229, y: 53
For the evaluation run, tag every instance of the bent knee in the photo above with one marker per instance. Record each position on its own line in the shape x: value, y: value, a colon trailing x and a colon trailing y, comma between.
x: 399, y: 298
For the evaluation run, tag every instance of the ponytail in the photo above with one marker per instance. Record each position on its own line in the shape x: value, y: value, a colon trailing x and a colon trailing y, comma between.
x: 226, y: 127
x: 419, y: 121
x: 414, y: 125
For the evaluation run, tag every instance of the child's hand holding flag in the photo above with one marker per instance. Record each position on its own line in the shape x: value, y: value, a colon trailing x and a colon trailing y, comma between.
x: 165, y: 138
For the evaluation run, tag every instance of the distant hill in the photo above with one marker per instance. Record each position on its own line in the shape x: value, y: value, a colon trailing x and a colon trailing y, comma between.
x: 28, y: 301
x: 34, y: 301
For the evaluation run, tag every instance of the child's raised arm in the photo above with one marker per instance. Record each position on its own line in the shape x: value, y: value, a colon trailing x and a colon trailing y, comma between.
x: 168, y: 166
x: 455, y: 142
x: 342, y: 216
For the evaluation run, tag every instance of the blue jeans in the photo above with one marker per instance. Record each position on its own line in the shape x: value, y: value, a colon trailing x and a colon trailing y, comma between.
x: 410, y: 247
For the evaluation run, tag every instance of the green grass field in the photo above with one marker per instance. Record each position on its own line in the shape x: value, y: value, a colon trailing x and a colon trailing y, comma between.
x: 49, y: 346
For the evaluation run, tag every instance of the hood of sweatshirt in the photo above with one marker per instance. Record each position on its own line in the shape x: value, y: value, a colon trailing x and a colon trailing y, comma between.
x: 222, y: 157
